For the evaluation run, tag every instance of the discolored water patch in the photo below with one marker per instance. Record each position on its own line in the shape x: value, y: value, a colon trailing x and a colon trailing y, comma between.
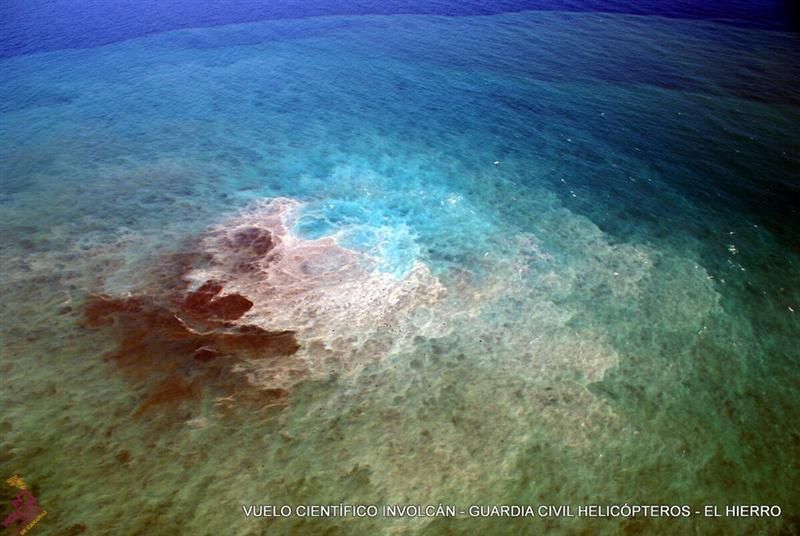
x: 204, y: 303
x: 178, y: 352
x: 228, y: 315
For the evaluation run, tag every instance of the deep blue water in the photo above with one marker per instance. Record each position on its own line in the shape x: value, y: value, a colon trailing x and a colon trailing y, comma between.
x: 542, y: 256
x: 40, y: 25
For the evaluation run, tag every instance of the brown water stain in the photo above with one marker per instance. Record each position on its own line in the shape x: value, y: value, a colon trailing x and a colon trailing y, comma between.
x: 178, y: 348
x: 204, y: 303
x: 254, y: 240
x: 251, y: 246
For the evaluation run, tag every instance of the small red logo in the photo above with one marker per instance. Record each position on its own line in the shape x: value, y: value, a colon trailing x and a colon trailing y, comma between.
x: 26, y: 509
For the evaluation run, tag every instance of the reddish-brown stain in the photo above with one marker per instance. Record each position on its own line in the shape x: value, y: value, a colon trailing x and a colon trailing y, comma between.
x: 204, y: 303
x: 100, y: 310
x: 257, y: 342
x: 123, y: 456
x: 180, y: 346
x: 275, y: 394
x: 205, y: 353
x: 229, y: 307
x: 173, y: 389
x: 197, y: 301
x: 254, y: 239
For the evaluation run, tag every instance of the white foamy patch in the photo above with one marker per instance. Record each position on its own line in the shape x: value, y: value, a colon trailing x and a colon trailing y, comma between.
x: 344, y: 311
x: 347, y: 312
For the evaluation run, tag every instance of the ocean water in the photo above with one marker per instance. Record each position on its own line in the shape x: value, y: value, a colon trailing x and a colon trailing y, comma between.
x: 44, y: 25
x: 543, y: 257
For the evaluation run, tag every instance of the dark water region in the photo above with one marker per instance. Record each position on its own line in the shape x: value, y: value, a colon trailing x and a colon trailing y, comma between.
x: 41, y: 25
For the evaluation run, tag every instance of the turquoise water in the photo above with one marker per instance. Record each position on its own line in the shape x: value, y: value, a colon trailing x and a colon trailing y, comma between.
x: 532, y: 258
